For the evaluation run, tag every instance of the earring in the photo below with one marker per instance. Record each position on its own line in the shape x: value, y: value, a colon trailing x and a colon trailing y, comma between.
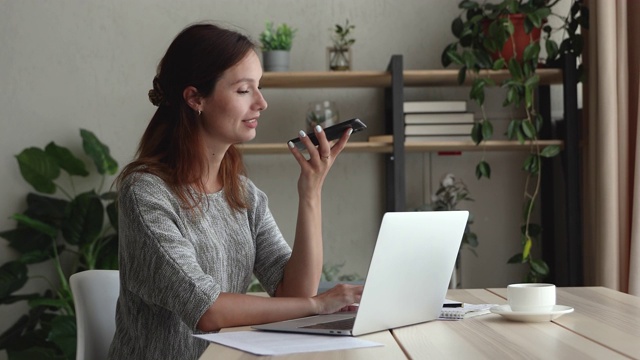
x: 199, y: 112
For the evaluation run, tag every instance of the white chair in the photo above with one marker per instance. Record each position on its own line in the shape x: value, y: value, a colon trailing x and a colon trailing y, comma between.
x: 95, y: 293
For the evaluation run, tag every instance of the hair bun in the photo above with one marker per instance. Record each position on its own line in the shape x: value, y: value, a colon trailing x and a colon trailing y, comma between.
x: 156, y: 95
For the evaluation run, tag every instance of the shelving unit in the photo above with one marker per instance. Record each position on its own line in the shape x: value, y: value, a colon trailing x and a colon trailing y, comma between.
x: 395, y: 79
x: 383, y: 79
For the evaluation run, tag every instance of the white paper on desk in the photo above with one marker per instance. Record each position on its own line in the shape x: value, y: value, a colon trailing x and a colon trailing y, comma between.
x: 274, y: 343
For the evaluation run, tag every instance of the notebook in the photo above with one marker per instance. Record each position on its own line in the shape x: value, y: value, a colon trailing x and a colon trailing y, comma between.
x: 407, y: 280
x: 465, y: 312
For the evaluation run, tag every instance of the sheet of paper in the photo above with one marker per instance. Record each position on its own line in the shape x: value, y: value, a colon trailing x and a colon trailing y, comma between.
x: 274, y: 343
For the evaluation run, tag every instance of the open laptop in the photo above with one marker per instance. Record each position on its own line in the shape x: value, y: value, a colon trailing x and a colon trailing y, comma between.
x: 407, y: 279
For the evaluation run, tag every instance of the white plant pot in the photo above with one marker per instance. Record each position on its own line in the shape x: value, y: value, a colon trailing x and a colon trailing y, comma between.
x: 275, y: 60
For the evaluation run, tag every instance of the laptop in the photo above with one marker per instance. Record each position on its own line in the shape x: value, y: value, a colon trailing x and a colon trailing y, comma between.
x: 407, y: 280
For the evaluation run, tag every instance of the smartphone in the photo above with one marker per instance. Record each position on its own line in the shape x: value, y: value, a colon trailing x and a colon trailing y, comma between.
x: 332, y: 132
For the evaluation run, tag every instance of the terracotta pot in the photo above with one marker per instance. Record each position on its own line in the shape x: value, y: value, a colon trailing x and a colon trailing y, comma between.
x: 520, y: 37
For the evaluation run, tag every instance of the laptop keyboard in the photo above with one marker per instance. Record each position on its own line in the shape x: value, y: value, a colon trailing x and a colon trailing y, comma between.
x: 344, y: 324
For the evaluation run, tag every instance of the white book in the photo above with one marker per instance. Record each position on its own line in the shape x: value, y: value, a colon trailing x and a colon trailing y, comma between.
x: 438, y: 129
x: 438, y: 118
x: 434, y: 106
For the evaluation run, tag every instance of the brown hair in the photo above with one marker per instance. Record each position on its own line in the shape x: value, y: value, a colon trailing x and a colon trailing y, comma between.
x: 172, y: 145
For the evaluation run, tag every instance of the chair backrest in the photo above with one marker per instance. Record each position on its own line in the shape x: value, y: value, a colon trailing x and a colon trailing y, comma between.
x: 95, y: 294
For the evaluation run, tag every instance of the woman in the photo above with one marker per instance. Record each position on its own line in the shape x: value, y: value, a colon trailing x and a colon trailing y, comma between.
x: 193, y: 229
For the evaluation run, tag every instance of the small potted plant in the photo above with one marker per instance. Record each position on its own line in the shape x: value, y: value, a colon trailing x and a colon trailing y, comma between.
x: 340, y: 53
x: 276, y: 46
x: 507, y: 35
x: 450, y: 193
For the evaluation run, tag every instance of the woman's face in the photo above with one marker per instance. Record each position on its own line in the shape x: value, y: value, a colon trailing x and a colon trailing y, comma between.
x: 230, y: 114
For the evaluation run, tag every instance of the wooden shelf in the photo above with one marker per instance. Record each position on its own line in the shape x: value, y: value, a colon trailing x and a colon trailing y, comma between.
x: 450, y: 77
x: 344, y: 79
x: 278, y: 148
x: 325, y: 79
x: 386, y: 148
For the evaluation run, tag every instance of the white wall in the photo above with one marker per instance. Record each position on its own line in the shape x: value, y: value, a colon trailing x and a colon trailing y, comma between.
x: 69, y: 64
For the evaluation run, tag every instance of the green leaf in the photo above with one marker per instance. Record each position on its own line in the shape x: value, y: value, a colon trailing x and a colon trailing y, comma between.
x: 483, y: 59
x: 56, y: 303
x: 37, y: 225
x: 531, y: 164
x: 487, y: 130
x: 477, y: 90
x: 445, y: 60
x: 515, y: 69
x: 552, y: 49
x: 498, y: 64
x: 13, y: 276
x: 469, y: 59
x: 512, y: 96
x: 528, y: 96
x: 526, y: 249
x: 46, y: 209
x: 528, y: 129
x: 99, y: 152
x: 455, y: 57
x: 38, y: 169
x: 467, y: 4
x: 520, y: 135
x: 63, y: 334
x: 476, y: 132
x: 513, y: 127
x: 515, y: 259
x: 542, y: 13
x: 540, y: 267
x: 66, y: 160
x: 550, y: 151
x: 533, y: 81
x: 529, y: 23
x: 25, y: 239
x: 38, y: 255
x: 462, y: 74
x: 457, y: 26
x: 483, y: 169
x: 85, y: 220
x: 531, y: 52
x: 508, y: 26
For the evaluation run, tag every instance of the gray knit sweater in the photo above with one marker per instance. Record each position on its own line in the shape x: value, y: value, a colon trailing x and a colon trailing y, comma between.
x: 174, y: 264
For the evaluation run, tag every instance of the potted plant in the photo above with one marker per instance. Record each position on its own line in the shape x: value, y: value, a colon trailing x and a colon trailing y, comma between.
x: 450, y: 193
x: 276, y: 45
x: 51, y: 228
x: 507, y: 35
x: 340, y: 53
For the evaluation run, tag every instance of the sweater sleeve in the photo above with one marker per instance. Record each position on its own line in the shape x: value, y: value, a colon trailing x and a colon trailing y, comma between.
x: 157, y: 262
x: 272, y: 251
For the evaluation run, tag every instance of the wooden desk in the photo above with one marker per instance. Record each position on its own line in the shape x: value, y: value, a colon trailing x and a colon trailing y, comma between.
x: 604, y: 325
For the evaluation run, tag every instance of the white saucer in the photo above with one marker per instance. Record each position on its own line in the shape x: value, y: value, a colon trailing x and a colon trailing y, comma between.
x: 556, y: 312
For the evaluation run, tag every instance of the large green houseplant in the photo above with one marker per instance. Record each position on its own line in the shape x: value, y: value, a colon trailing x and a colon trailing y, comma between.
x: 70, y: 233
x: 489, y: 36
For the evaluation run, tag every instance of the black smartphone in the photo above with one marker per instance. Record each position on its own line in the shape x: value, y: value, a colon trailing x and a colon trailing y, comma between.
x: 333, y: 132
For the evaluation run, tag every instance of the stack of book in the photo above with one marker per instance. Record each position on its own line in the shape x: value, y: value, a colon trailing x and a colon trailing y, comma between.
x: 437, y: 121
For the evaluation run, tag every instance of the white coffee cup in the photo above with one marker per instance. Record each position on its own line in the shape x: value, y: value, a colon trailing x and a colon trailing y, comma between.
x: 531, y: 297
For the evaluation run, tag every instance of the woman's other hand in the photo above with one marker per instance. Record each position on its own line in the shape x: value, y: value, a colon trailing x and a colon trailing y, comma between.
x: 341, y: 297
